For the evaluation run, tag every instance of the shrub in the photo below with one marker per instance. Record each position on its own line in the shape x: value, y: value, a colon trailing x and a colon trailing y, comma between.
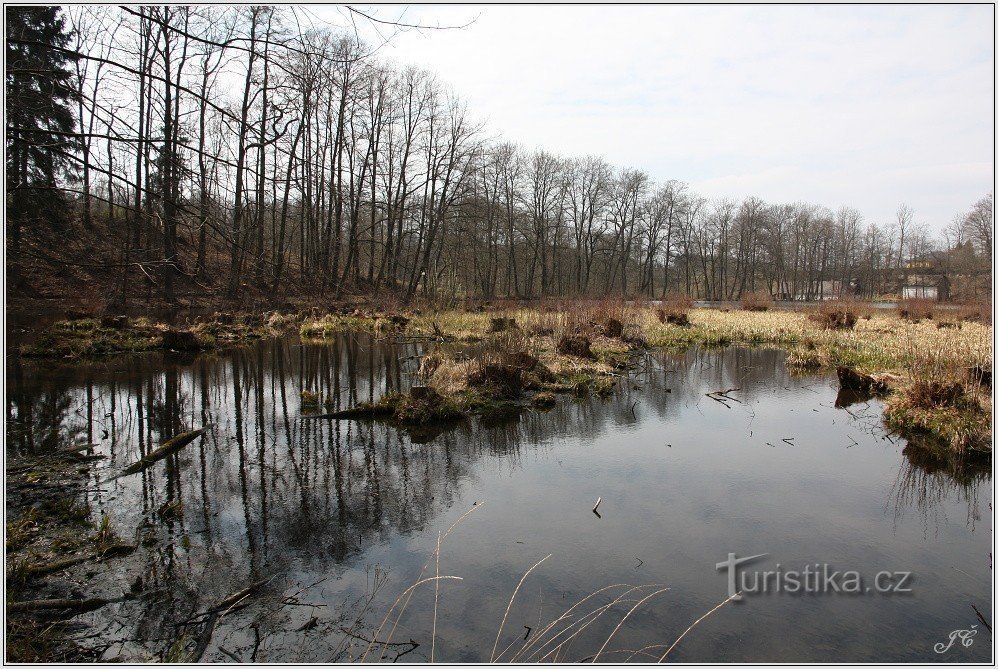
x: 760, y: 300
x: 428, y: 407
x: 915, y: 309
x: 839, y: 314
x: 501, y: 324
x: 609, y: 313
x: 974, y: 312
x: 429, y: 364
x: 577, y: 345
x: 612, y: 328
x: 180, y: 340
x: 608, y: 317
x: 675, y: 310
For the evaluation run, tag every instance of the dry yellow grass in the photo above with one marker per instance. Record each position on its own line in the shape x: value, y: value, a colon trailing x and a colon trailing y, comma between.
x: 882, y: 343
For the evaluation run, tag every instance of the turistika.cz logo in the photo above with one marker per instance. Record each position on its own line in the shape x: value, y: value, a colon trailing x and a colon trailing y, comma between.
x: 816, y: 578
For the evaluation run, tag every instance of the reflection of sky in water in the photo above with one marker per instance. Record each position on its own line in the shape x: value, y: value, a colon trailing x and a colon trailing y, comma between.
x: 321, y: 506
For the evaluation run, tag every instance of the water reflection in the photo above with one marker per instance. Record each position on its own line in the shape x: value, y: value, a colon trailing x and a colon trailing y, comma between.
x: 323, y: 508
x: 926, y: 479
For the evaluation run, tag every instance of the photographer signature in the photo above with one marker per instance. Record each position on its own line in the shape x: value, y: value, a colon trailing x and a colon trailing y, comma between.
x: 966, y: 637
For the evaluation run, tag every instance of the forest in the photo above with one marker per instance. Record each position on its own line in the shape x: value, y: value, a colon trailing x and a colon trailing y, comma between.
x: 181, y: 152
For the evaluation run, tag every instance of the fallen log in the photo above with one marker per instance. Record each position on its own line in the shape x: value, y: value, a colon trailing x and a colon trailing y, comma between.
x: 49, y: 567
x: 55, y: 604
x: 236, y: 597
x: 169, y: 447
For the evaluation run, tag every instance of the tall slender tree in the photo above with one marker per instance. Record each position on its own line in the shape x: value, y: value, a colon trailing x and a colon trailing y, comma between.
x: 40, y: 119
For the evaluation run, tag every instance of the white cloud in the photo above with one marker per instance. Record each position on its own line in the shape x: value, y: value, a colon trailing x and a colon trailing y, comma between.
x: 864, y: 106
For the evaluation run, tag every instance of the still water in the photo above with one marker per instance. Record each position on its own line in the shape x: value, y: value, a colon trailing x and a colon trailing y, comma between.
x: 340, y: 518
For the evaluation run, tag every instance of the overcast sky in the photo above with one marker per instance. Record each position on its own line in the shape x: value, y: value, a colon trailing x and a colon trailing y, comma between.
x: 861, y: 106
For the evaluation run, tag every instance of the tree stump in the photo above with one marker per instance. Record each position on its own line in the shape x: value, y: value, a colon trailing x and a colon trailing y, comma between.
x: 850, y: 379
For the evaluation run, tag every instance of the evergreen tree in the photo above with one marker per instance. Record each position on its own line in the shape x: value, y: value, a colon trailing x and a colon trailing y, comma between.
x: 40, y: 90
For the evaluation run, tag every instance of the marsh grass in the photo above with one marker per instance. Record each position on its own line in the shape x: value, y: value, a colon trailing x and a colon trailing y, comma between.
x: 22, y: 529
x: 105, y: 532
x: 944, y: 403
x: 34, y: 641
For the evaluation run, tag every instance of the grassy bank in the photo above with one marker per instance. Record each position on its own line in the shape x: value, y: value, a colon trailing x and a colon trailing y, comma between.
x: 90, y: 337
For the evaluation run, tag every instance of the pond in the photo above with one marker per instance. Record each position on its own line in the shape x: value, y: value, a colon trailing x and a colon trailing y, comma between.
x: 335, y: 520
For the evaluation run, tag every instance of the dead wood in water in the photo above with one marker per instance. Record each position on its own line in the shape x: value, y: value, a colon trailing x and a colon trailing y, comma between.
x: 850, y: 379
x: 209, y: 618
x: 722, y: 396
x: 231, y: 602
x: 56, y: 604
x: 49, y: 567
x: 169, y: 447
x: 235, y: 598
